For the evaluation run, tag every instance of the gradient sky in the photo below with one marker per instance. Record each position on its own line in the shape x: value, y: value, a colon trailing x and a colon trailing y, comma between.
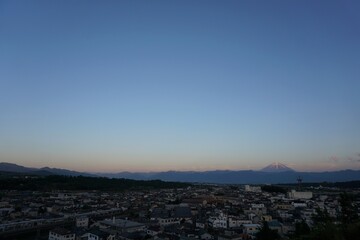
x: 180, y: 85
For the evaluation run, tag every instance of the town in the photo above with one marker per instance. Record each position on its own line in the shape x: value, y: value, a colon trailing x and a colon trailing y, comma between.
x: 206, y: 211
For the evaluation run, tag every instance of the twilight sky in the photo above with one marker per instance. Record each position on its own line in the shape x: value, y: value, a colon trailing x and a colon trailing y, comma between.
x: 180, y: 85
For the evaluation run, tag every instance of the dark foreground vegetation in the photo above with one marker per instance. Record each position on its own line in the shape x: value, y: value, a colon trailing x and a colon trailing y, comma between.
x: 345, y: 227
x: 57, y: 182
x: 284, y: 188
x: 273, y: 189
x: 342, y: 185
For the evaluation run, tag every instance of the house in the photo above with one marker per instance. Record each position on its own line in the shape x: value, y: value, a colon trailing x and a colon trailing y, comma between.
x: 182, y: 212
x: 200, y: 224
x: 168, y: 221
x: 299, y: 204
x: 235, y: 222
x: 122, y: 225
x: 219, y: 221
x: 195, y: 201
x: 153, y: 230
x: 266, y: 218
x: 251, y: 229
x: 132, y: 235
x: 82, y: 222
x: 61, y: 234
x: 172, y: 215
x: 97, y: 234
x: 299, y: 195
x: 230, y: 237
x: 254, y: 189
x: 205, y: 235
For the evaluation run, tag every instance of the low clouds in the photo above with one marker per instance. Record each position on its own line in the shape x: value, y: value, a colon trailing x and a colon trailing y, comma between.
x: 353, y: 159
x: 334, y: 159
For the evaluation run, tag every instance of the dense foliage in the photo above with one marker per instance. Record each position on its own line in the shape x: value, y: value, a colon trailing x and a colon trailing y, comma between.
x: 57, y: 182
x: 342, y: 185
x: 347, y: 227
x: 273, y: 189
x: 266, y: 233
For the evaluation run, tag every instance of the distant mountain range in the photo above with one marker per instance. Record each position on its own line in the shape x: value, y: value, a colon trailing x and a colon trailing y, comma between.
x: 11, y: 167
x: 243, y: 177
x: 274, y: 173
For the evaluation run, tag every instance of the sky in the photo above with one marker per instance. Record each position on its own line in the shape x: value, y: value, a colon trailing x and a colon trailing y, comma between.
x: 108, y: 86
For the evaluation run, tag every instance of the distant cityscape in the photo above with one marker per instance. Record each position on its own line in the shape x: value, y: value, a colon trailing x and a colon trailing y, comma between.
x: 159, y: 211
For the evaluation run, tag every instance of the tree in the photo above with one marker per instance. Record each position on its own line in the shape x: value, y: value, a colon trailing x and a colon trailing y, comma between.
x: 301, y: 228
x: 273, y: 189
x: 266, y: 233
x: 349, y: 218
x: 321, y: 217
x: 348, y: 211
x: 324, y: 228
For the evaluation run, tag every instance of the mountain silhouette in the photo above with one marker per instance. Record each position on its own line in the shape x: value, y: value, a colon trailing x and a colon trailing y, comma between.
x: 277, y: 167
x: 272, y: 174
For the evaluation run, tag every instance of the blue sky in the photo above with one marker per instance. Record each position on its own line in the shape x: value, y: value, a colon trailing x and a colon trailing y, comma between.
x: 180, y: 85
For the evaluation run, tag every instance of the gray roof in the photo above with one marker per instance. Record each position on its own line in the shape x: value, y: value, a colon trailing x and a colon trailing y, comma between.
x: 160, y: 213
x: 182, y: 212
x: 274, y: 223
x: 61, y: 231
x: 122, y: 223
x: 98, y: 232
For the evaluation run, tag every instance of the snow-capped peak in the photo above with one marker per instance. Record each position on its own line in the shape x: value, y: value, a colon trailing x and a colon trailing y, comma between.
x: 277, y: 167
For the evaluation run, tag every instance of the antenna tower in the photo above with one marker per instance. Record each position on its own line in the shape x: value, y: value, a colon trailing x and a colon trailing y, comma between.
x: 299, y: 181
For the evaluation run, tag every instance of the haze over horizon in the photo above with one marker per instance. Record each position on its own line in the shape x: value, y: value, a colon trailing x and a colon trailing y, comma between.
x: 271, y: 168
x: 184, y: 85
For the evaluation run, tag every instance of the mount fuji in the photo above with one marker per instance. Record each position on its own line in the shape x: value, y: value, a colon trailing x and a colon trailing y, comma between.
x: 277, y: 167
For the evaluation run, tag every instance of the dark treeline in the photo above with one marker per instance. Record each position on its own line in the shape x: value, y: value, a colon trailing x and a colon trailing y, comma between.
x: 57, y: 182
x: 273, y: 189
x: 345, y: 227
x: 349, y: 184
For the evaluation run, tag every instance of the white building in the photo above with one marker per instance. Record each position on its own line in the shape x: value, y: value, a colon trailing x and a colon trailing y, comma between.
x: 235, y: 222
x: 61, y: 234
x: 96, y: 234
x: 122, y: 225
x: 249, y: 188
x: 82, y: 222
x: 257, y: 205
x: 299, y: 195
x: 299, y: 205
x: 219, y: 221
x: 168, y: 221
